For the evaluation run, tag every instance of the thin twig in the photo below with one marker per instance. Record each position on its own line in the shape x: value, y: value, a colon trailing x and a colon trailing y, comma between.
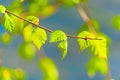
x: 86, y: 18
x: 71, y: 36
x: 28, y: 21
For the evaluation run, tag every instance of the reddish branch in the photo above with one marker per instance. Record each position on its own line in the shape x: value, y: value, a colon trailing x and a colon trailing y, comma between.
x: 71, y: 36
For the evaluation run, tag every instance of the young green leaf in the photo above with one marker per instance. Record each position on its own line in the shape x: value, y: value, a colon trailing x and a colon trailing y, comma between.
x: 116, y: 22
x: 99, y: 47
x: 39, y: 37
x: 33, y: 19
x: 63, y: 48
x: 96, y: 64
x: 27, y: 33
x: 8, y: 23
x: 57, y: 36
x: 85, y: 43
x: 60, y: 36
x: 47, y: 66
x: 2, y: 9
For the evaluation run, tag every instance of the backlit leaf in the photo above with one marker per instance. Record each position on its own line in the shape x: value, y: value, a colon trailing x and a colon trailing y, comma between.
x: 63, y: 48
x: 2, y: 9
x: 48, y: 11
x: 116, y: 22
x: 69, y: 3
x: 47, y: 66
x: 85, y: 43
x: 97, y: 64
x: 8, y: 23
x: 39, y: 37
x: 99, y: 47
x: 84, y: 1
x: 16, y: 7
x: 33, y: 19
x: 27, y: 33
x: 19, y: 74
x: 60, y: 36
x: 6, y: 38
x: 27, y: 51
x: 57, y: 36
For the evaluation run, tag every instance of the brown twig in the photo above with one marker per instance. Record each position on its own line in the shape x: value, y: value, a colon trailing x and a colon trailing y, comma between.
x: 86, y: 18
x: 71, y: 36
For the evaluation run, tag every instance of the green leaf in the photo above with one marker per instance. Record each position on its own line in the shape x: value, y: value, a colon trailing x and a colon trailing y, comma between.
x: 16, y: 7
x: 6, y: 38
x: 84, y: 1
x: 96, y: 64
x: 19, y: 74
x: 69, y: 3
x: 27, y: 51
x: 8, y: 23
x: 57, y: 36
x: 116, y: 22
x: 39, y: 37
x: 60, y: 36
x: 33, y: 19
x: 47, y: 66
x: 63, y: 48
x: 2, y: 9
x: 85, y: 43
x: 99, y: 47
x: 27, y: 33
x: 6, y: 74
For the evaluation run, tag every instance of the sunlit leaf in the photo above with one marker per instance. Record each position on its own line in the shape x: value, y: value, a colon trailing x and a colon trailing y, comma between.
x: 85, y: 43
x: 2, y: 9
x: 68, y: 3
x: 27, y: 33
x: 39, y: 37
x: 57, y: 36
x: 99, y: 47
x: 47, y: 66
x: 47, y: 11
x: 16, y: 7
x: 5, y: 73
x: 116, y: 22
x: 60, y: 36
x: 21, y: 0
x: 84, y: 1
x: 35, y: 6
x: 97, y: 64
x: 8, y: 23
x: 63, y: 48
x: 6, y: 38
x: 27, y: 51
x: 33, y: 19
x: 19, y: 74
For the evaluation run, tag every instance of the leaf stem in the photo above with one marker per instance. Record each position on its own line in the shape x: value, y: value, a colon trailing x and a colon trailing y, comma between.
x: 70, y: 36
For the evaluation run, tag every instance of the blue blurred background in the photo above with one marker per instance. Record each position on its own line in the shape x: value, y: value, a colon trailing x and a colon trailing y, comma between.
x: 73, y: 67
